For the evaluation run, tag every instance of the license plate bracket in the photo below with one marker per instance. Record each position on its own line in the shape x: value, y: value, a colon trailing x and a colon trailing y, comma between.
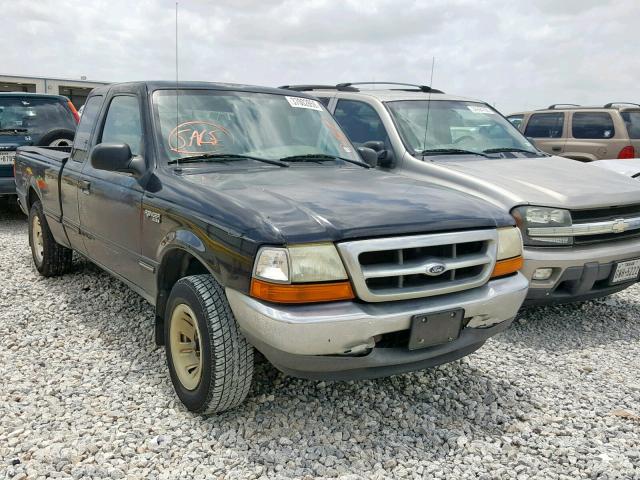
x: 430, y: 329
x: 625, y: 271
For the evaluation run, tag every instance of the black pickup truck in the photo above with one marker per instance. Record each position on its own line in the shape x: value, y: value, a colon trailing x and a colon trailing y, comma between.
x: 246, y: 217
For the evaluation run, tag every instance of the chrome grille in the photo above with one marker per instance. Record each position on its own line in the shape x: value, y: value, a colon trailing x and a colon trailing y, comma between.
x: 387, y: 269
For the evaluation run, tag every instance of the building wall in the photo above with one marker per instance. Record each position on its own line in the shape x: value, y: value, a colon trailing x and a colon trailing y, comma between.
x: 76, y: 90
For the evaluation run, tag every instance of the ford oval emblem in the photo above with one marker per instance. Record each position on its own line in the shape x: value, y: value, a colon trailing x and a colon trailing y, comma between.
x: 435, y: 269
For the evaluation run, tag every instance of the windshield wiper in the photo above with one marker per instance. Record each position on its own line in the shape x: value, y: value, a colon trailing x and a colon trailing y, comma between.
x: 224, y: 156
x: 10, y: 130
x: 451, y: 151
x: 508, y: 149
x: 320, y: 157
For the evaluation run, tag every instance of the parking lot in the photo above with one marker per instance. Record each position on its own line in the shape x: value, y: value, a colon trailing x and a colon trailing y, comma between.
x: 86, y: 393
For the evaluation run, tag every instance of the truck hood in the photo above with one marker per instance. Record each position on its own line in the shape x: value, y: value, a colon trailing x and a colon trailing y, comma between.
x: 327, y: 203
x: 629, y: 167
x: 550, y: 181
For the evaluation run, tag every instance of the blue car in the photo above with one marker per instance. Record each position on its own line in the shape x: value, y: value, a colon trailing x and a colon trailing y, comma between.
x: 32, y: 119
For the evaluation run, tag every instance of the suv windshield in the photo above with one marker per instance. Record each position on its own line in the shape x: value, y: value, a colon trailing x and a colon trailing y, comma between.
x: 446, y: 126
x: 33, y: 115
x: 632, y: 121
x: 268, y: 126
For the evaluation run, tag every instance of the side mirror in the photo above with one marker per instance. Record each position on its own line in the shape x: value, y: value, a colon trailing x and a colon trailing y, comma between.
x: 374, y: 145
x: 386, y: 158
x: 114, y: 157
x: 369, y: 156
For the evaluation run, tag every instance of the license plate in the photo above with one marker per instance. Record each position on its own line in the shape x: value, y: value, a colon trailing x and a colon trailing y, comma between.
x: 6, y: 158
x: 435, y: 328
x: 625, y: 271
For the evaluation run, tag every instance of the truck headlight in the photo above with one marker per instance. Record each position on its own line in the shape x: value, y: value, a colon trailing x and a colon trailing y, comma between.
x: 533, y: 220
x: 509, y: 257
x: 300, y: 274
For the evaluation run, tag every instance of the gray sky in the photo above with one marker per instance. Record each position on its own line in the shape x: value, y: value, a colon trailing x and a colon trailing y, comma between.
x: 516, y: 55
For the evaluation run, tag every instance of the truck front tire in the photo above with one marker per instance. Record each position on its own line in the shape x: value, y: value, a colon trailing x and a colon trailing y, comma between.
x: 50, y: 258
x: 210, y: 362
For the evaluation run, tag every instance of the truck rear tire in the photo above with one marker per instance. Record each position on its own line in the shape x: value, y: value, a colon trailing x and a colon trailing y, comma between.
x: 210, y: 362
x: 50, y: 258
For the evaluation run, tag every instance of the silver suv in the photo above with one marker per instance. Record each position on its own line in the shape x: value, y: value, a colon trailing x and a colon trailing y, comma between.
x: 580, y: 223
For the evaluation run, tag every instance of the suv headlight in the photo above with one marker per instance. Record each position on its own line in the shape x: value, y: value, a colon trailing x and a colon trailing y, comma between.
x: 300, y: 274
x: 509, y: 257
x: 536, y: 222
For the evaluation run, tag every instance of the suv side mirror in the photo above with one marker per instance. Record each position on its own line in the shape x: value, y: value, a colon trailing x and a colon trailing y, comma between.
x: 114, y: 157
x: 386, y: 158
x: 369, y: 156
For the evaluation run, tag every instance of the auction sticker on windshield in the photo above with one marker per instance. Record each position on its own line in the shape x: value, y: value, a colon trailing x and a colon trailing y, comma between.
x: 479, y: 109
x: 6, y: 158
x: 299, y: 102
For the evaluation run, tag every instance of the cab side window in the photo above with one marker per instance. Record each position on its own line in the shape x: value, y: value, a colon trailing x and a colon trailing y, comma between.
x: 82, y: 140
x: 360, y: 122
x: 545, y: 125
x: 123, y: 123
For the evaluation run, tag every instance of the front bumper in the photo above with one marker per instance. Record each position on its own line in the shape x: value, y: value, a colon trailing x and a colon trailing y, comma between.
x: 7, y: 186
x: 336, y: 340
x: 579, y: 273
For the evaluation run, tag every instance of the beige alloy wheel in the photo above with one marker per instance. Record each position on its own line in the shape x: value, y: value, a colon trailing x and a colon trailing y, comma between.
x: 38, y: 243
x: 185, y: 346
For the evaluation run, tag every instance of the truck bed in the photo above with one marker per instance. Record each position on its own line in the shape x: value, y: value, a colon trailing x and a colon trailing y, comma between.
x: 39, y: 168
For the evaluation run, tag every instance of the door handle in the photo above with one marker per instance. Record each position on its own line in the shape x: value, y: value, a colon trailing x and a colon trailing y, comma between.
x: 556, y: 149
x: 85, y: 187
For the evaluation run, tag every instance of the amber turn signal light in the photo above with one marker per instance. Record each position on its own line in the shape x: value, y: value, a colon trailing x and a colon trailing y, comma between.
x: 505, y: 267
x: 301, y: 293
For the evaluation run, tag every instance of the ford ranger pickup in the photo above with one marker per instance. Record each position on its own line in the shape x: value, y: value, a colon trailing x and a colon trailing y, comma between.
x: 580, y: 224
x: 248, y: 219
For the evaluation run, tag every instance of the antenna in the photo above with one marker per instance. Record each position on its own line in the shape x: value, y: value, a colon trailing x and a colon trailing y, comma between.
x: 426, y: 126
x: 177, y: 91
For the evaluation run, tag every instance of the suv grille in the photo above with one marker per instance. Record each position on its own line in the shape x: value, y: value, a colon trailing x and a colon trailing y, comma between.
x: 602, y: 215
x: 396, y: 268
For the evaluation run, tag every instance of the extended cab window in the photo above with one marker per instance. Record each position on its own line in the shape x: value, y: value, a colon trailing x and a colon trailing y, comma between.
x: 360, y: 122
x: 123, y: 123
x: 82, y: 139
x: 545, y: 125
x: 592, y: 125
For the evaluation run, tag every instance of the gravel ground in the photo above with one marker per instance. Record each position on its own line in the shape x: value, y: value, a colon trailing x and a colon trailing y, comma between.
x: 86, y: 394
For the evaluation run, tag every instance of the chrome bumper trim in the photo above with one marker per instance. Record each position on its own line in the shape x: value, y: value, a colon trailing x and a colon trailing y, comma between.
x: 619, y: 225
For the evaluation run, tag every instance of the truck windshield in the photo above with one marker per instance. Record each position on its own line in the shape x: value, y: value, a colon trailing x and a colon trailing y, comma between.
x: 442, y: 127
x: 33, y: 115
x: 261, y: 125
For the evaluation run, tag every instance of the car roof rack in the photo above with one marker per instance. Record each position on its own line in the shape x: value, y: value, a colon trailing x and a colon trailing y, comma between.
x: 556, y: 105
x: 609, y: 105
x: 309, y: 88
x: 421, y: 88
x: 350, y: 87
